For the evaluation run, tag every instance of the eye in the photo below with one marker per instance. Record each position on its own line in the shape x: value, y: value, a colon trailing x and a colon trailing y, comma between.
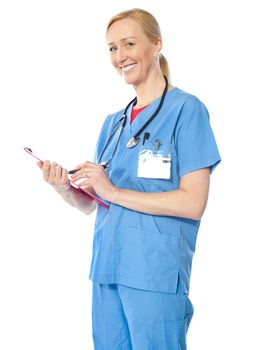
x: 128, y: 44
x: 112, y: 49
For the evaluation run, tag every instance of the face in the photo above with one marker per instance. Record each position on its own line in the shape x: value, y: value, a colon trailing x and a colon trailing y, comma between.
x: 132, y: 53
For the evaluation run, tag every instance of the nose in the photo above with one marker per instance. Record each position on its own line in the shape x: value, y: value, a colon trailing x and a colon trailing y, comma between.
x: 121, y: 55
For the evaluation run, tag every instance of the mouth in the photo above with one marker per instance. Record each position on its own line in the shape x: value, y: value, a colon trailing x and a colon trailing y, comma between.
x: 127, y: 67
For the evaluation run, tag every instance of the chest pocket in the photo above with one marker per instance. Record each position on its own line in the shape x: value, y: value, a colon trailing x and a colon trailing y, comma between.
x: 157, y: 168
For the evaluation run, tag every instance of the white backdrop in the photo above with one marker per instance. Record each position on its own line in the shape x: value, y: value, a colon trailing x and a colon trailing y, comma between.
x: 57, y: 86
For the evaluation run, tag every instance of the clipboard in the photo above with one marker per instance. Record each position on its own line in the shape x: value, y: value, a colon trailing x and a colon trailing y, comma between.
x: 72, y: 183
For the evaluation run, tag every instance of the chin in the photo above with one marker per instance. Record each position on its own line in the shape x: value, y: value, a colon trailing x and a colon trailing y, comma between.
x: 130, y: 79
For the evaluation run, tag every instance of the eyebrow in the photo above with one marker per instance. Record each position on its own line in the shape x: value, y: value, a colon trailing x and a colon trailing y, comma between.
x: 123, y: 39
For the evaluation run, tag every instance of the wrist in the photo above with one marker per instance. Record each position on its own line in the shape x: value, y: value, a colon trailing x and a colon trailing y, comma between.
x: 62, y: 187
x: 114, y: 195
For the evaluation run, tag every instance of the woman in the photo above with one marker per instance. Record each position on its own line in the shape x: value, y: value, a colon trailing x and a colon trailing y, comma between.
x: 154, y: 172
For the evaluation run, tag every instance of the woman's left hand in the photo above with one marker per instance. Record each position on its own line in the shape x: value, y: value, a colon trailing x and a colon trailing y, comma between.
x: 93, y: 176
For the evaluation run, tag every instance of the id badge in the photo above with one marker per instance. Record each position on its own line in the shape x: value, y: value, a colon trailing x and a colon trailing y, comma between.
x: 154, y: 164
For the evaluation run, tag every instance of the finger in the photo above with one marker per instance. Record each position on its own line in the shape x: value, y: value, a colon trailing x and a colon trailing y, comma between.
x: 83, y: 177
x: 61, y: 175
x: 85, y: 165
x: 86, y: 184
x: 82, y: 183
x: 80, y: 174
x: 58, y: 173
x: 88, y: 171
x: 46, y: 170
x: 82, y: 165
x: 65, y: 176
x: 40, y: 165
x: 52, y: 173
x: 83, y: 174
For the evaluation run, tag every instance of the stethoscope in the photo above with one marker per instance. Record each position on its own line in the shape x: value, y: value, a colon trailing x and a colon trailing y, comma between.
x: 122, y: 122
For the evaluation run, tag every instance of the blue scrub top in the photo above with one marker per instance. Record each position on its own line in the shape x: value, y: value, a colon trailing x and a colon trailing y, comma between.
x: 147, y: 251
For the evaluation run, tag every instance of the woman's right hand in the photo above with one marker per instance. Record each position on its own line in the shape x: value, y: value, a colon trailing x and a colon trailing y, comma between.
x: 53, y: 173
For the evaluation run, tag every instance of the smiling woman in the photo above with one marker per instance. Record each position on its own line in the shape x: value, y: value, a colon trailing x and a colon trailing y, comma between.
x: 157, y: 190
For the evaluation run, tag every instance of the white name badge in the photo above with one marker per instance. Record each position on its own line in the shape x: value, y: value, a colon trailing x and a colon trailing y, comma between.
x: 154, y: 164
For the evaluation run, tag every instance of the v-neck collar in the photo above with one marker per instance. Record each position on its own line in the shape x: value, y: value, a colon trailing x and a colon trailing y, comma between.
x: 145, y: 114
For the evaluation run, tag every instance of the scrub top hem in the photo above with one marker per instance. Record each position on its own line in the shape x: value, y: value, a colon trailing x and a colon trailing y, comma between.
x: 161, y: 287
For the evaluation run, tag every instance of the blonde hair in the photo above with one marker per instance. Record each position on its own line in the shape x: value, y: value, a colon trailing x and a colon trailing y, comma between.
x: 150, y: 28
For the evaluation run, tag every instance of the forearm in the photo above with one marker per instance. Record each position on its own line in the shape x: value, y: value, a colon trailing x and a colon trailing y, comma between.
x: 76, y: 198
x: 188, y: 201
x: 180, y: 203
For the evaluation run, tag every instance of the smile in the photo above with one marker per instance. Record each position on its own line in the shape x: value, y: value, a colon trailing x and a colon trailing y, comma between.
x: 127, y: 68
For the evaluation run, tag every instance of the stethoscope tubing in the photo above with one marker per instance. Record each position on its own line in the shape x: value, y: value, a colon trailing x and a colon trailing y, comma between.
x: 135, y: 139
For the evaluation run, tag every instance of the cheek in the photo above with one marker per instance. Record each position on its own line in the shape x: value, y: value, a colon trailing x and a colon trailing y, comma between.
x: 113, y: 61
x: 147, y: 56
x: 115, y: 65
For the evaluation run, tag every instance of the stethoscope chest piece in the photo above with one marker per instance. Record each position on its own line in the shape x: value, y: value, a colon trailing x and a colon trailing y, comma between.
x: 133, y: 142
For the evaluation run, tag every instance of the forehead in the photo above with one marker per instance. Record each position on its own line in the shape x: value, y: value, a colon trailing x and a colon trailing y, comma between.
x: 124, y: 28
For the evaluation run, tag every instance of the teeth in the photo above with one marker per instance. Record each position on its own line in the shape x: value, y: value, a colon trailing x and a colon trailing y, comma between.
x: 126, y: 68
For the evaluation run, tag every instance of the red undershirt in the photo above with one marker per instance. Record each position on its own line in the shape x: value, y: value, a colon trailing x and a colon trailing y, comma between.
x: 135, y: 112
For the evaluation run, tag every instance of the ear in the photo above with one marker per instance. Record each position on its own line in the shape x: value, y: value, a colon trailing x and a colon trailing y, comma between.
x: 158, y: 46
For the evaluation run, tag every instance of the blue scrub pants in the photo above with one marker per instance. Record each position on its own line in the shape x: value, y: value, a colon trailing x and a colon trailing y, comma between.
x: 125, y: 318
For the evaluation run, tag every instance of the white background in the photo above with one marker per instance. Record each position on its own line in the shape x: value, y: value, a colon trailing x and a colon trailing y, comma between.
x: 57, y: 86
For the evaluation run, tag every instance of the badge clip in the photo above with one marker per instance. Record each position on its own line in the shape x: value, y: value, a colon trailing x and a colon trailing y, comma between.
x: 157, y: 144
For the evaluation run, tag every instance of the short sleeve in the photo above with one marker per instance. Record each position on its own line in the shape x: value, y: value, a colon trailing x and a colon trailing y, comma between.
x: 195, y: 141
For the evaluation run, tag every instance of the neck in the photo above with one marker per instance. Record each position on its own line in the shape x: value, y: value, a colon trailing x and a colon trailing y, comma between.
x: 150, y: 90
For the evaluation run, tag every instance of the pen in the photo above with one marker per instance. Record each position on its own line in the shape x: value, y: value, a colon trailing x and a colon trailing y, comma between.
x: 73, y: 171
x: 146, y: 137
